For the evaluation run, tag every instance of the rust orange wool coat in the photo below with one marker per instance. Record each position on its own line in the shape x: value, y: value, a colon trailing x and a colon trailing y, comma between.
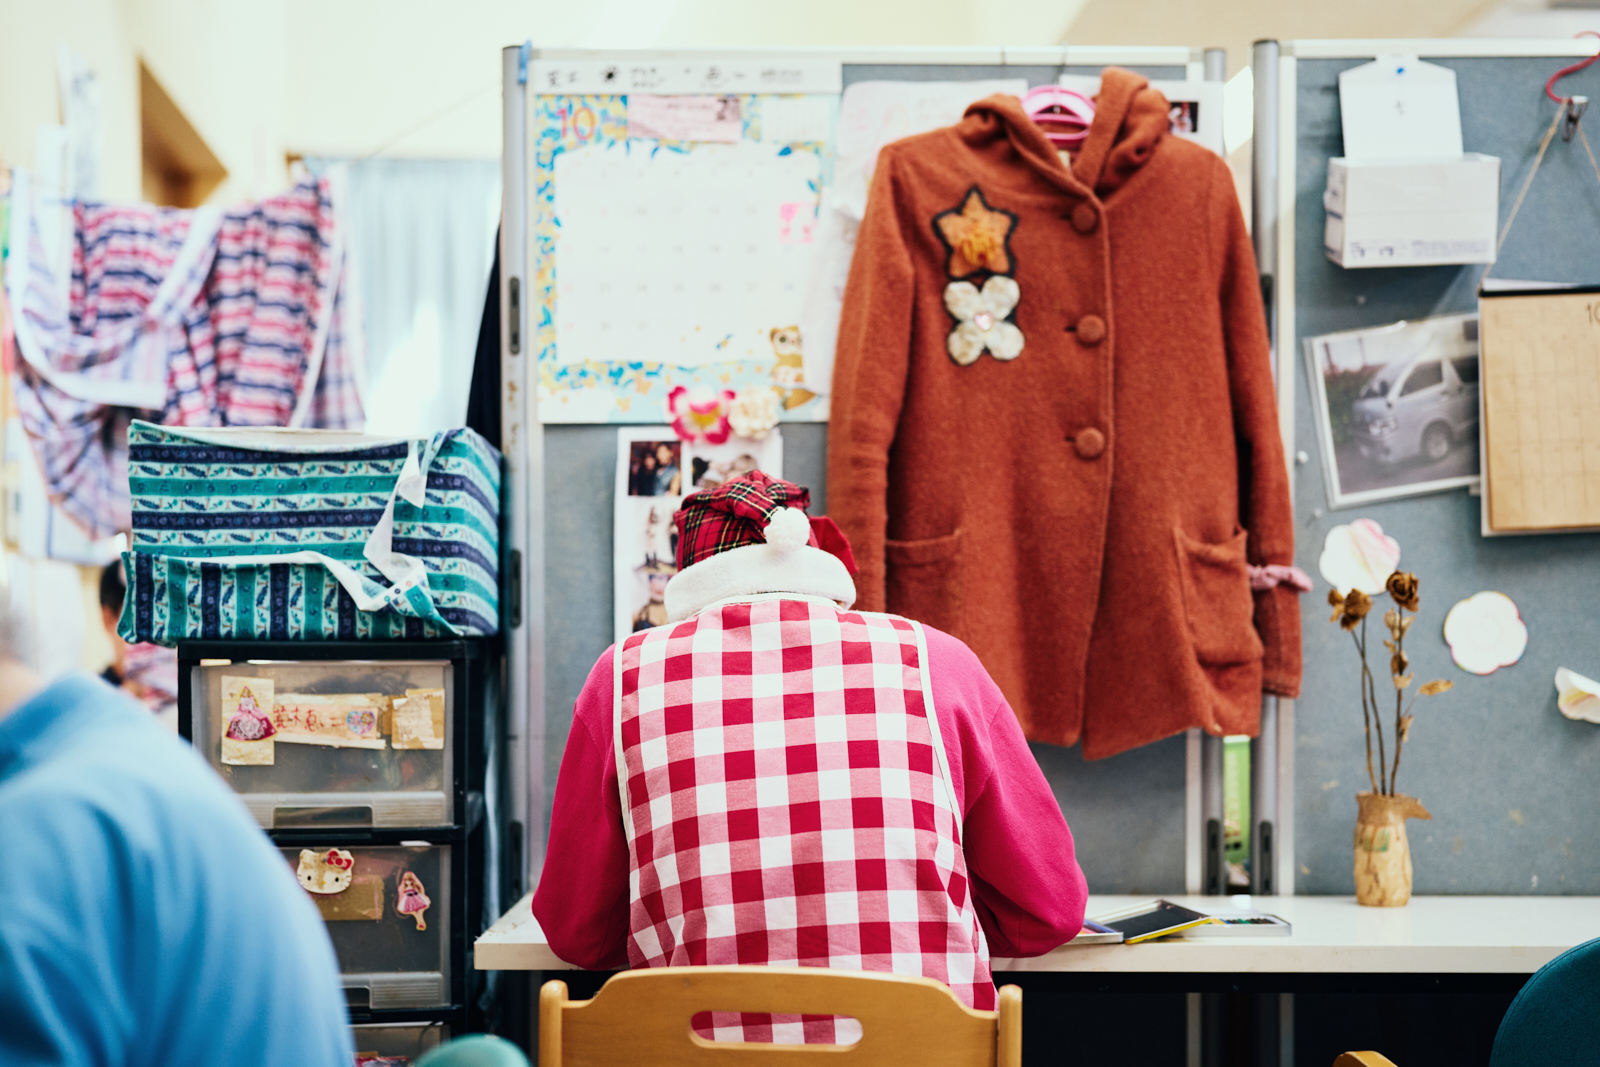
x: 1082, y: 512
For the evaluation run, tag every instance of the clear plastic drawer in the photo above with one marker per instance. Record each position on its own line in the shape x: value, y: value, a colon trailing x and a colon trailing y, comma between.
x: 334, y: 744
x: 396, y: 1046
x: 387, y: 908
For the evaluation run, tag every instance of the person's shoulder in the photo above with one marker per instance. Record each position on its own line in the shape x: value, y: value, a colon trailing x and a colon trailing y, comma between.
x: 949, y: 650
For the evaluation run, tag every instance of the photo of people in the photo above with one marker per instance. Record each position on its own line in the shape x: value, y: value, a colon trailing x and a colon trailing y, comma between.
x: 655, y: 468
x: 1397, y: 408
x: 654, y: 473
x: 1184, y: 116
x: 706, y: 473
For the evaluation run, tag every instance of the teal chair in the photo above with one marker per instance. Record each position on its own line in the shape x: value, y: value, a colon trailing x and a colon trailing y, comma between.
x: 1555, y: 1020
x: 475, y: 1050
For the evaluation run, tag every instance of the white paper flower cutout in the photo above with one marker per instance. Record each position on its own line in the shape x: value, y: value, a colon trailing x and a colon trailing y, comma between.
x: 1577, y: 697
x: 1485, y: 632
x: 981, y: 320
x: 1358, y: 556
x: 754, y: 412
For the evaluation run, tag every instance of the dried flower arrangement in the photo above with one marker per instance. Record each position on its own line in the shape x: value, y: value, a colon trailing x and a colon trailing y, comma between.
x: 1350, y: 611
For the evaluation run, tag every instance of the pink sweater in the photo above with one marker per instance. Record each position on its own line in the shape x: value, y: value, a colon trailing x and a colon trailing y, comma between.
x: 1029, y: 890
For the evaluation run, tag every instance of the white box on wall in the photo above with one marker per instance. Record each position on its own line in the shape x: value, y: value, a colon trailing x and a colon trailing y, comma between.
x: 1394, y: 214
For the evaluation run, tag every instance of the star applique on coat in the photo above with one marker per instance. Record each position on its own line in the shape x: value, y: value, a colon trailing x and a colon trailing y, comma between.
x: 977, y: 236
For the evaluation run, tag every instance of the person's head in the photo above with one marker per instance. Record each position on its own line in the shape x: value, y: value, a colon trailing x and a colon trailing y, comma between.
x: 113, y: 589
x: 664, y: 454
x: 649, y: 461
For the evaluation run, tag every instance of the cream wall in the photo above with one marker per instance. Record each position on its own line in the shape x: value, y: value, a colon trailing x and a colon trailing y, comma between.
x: 96, y: 30
x: 260, y: 78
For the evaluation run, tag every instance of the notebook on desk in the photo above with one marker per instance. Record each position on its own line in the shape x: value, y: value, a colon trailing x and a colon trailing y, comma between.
x: 1152, y: 919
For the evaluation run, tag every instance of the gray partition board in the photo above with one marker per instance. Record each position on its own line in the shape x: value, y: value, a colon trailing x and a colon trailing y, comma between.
x: 1126, y: 812
x: 1507, y: 778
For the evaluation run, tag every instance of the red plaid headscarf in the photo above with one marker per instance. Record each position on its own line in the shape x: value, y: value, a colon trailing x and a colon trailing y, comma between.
x: 736, y: 513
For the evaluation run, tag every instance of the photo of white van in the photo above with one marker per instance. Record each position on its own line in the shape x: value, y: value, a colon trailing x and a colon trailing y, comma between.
x: 1422, y: 407
x: 1397, y: 408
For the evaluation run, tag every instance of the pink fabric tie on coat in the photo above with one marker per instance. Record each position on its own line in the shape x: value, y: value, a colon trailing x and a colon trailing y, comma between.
x: 1275, y: 574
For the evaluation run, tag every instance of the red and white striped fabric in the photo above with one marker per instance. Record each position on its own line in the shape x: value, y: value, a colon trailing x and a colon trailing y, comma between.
x: 787, y: 802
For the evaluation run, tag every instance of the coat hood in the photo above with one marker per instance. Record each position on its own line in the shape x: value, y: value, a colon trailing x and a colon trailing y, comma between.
x: 1130, y: 119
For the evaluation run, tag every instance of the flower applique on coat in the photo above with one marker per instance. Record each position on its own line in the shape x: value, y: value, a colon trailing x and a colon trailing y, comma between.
x: 977, y: 240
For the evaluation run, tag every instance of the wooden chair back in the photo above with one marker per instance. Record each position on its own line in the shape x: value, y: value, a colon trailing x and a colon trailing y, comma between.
x: 642, y: 1017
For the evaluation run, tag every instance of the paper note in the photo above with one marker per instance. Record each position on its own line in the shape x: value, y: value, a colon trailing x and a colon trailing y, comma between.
x: 419, y: 719
x: 247, y: 723
x: 796, y: 119
x: 1398, y: 108
x: 339, y: 720
x: 872, y: 114
x: 684, y: 258
x: 685, y: 118
x: 1541, y: 382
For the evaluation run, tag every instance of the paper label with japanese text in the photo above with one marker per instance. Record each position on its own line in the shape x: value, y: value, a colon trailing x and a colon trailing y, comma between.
x: 339, y: 720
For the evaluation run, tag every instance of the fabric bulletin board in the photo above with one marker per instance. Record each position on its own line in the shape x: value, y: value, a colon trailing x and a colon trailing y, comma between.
x: 1127, y: 812
x: 1504, y: 773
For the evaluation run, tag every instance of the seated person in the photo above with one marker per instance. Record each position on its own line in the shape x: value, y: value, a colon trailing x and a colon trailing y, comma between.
x: 145, y: 919
x: 799, y: 784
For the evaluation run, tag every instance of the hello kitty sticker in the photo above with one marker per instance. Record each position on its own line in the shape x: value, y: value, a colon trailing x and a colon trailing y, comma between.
x: 247, y: 728
x: 325, y: 873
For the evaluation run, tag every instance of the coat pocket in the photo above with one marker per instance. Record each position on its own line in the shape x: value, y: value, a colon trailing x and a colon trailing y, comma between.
x: 1217, y: 600
x: 924, y: 580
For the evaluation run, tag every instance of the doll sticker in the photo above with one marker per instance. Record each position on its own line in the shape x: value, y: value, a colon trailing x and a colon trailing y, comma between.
x: 247, y: 729
x: 413, y: 899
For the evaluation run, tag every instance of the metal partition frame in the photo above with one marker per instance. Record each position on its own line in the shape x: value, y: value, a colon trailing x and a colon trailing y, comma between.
x: 1276, y: 135
x: 522, y: 438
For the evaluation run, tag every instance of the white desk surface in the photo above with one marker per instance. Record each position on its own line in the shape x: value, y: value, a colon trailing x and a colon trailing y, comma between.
x: 1431, y: 935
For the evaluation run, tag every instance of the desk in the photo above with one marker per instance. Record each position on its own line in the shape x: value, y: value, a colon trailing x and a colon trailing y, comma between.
x: 1434, y: 936
x: 1481, y: 947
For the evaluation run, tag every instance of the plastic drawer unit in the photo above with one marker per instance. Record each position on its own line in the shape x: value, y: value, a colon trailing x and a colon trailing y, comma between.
x: 327, y: 744
x: 388, y: 909
x: 390, y: 1046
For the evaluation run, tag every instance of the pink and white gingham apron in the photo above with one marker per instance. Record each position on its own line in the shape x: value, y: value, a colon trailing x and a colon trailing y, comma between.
x: 788, y: 802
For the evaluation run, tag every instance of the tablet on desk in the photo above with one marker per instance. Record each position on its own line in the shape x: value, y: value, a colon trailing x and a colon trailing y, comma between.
x: 1158, y: 918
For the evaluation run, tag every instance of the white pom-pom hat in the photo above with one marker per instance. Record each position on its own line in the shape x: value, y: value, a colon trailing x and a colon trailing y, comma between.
x: 751, y: 536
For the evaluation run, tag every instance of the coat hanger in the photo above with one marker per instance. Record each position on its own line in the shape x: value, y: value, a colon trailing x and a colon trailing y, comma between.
x: 1063, y: 114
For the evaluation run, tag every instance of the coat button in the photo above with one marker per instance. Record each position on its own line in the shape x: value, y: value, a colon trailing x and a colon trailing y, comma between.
x: 1089, y: 443
x: 1085, y: 218
x: 1091, y: 329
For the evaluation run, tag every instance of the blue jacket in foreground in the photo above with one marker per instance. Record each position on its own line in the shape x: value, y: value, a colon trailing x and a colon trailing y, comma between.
x: 144, y: 918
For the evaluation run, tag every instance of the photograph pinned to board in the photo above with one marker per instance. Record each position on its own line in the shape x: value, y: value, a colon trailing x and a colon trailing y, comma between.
x: 645, y: 538
x: 1396, y: 408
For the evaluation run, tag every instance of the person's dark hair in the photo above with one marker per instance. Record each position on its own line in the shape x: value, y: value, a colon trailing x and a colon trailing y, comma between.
x: 113, y: 586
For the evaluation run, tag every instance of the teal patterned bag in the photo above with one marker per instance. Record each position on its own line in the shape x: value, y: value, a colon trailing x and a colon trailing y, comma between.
x: 314, y: 535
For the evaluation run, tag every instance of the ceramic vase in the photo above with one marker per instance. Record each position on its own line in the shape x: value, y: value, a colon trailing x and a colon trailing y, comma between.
x: 1383, y: 855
